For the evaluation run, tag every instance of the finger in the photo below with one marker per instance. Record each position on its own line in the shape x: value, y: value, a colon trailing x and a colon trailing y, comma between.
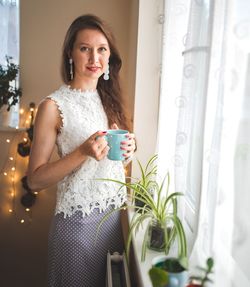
x: 128, y: 148
x: 101, y: 144
x: 98, y: 134
x: 128, y: 142
x: 128, y: 154
x: 102, y: 154
x: 130, y: 136
x: 114, y: 126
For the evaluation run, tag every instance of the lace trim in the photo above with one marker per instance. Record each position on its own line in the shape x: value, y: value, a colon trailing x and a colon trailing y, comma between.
x: 85, y: 211
x: 60, y: 112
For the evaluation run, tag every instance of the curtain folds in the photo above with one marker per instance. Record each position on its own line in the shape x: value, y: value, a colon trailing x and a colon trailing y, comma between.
x: 205, y: 103
x: 10, y: 43
x: 9, y: 30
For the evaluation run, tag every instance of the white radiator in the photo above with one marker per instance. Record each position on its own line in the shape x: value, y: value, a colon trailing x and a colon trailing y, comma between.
x: 117, y: 271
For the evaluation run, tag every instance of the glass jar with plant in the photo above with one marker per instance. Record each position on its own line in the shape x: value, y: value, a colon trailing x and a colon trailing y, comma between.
x: 159, y: 214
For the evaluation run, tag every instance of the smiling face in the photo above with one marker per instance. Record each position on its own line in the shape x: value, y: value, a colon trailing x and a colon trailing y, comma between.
x: 90, y: 55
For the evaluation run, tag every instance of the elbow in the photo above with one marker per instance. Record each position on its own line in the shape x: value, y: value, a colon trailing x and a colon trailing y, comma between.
x: 31, y: 183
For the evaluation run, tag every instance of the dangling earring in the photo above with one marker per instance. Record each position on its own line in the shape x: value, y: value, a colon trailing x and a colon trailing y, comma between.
x: 71, y: 69
x: 106, y: 74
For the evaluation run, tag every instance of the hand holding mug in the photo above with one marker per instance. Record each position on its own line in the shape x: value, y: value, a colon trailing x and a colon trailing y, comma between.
x: 96, y: 146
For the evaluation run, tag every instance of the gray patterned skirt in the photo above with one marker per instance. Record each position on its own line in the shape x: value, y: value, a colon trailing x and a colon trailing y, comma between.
x: 75, y: 259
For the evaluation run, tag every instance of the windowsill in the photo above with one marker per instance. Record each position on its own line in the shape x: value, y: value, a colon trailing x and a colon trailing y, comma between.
x: 9, y: 129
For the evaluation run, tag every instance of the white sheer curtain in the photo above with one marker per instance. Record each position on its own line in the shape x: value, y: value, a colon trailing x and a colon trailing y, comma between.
x: 9, y: 30
x: 210, y: 136
x: 9, y: 43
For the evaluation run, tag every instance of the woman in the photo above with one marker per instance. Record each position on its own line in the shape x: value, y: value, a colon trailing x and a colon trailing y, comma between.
x: 76, y: 118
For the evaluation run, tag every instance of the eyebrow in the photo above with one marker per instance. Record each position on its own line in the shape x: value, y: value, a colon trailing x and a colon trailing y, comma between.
x: 83, y: 43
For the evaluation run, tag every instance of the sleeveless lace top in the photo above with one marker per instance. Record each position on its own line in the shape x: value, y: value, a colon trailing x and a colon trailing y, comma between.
x: 82, y: 115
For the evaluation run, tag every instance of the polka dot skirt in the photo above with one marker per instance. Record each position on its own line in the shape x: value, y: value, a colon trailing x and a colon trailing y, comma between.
x: 75, y: 260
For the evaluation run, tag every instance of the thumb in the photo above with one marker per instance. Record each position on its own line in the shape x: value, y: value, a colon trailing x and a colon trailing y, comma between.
x: 97, y: 134
x: 114, y: 126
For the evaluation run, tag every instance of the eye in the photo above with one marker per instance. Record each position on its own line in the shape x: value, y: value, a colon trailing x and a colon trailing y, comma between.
x: 102, y: 49
x: 84, y: 49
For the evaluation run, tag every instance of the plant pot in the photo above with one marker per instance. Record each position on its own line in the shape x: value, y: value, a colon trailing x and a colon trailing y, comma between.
x: 4, y: 116
x: 175, y: 274
x: 9, y: 118
x: 156, y: 236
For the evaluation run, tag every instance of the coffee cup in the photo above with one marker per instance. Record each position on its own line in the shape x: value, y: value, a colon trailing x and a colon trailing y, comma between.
x: 114, y: 139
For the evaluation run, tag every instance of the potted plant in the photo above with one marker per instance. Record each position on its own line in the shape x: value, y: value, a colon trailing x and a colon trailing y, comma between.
x: 9, y: 92
x: 159, y: 213
x: 199, y: 281
x: 168, y: 272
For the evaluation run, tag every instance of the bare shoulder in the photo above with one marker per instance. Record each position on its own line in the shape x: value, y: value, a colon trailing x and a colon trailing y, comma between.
x: 48, y: 114
x: 48, y: 105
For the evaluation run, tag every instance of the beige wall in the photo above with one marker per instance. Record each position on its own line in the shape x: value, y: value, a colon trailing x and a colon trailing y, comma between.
x: 23, y: 247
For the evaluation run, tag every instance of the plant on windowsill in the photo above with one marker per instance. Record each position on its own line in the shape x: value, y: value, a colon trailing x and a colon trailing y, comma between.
x: 9, y: 93
x: 159, y: 213
x: 199, y: 281
x: 168, y: 271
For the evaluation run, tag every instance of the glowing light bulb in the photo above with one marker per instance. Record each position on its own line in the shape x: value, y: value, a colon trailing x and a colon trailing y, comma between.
x: 35, y: 192
x: 13, y: 168
x: 12, y: 194
x: 22, y: 221
x: 8, y: 140
x: 26, y: 121
x: 21, y: 111
x: 27, y: 209
x: 32, y: 109
x: 11, y: 158
x: 10, y: 210
x: 16, y: 127
x: 25, y: 139
x: 30, y: 117
x: 5, y: 173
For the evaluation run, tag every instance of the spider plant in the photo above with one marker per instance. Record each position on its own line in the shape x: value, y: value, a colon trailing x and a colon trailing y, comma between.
x: 147, y: 180
x: 160, y: 207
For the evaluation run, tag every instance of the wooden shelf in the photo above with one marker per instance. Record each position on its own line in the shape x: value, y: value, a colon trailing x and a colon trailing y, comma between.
x: 9, y: 129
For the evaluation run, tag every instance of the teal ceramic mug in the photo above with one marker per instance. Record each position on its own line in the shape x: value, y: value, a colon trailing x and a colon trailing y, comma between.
x: 177, y: 275
x: 114, y: 139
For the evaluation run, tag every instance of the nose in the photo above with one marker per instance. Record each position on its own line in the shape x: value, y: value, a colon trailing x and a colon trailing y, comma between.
x: 93, y: 58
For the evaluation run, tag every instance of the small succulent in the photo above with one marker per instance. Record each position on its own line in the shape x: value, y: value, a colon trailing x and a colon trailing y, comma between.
x: 201, y: 280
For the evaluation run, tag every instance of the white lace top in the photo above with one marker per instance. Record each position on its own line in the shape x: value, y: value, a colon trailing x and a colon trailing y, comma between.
x: 82, y: 115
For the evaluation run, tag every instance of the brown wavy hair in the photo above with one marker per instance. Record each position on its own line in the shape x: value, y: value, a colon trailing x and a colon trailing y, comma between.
x: 110, y: 90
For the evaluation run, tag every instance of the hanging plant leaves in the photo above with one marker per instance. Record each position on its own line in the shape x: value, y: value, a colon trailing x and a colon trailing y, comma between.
x: 9, y: 93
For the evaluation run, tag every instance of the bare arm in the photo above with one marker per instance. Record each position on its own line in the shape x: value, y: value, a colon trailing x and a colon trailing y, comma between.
x: 42, y: 173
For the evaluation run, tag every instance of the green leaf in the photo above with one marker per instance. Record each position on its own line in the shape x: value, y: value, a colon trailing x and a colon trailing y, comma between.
x: 158, y: 277
x: 210, y: 263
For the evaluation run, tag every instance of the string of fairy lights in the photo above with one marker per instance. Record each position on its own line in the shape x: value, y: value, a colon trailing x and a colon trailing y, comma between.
x: 19, y: 197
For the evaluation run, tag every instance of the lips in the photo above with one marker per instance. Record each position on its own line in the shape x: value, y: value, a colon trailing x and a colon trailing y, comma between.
x: 93, y: 69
